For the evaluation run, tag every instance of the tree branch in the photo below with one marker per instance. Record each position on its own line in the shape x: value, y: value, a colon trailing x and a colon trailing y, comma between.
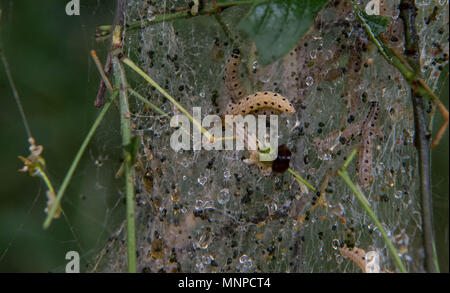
x: 422, y: 136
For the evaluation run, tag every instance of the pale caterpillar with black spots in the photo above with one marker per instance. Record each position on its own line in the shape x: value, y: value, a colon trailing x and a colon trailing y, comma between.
x: 356, y: 255
x: 337, y: 139
x: 368, y: 133
x: 263, y: 103
x: 367, y: 130
x: 259, y: 103
x: 232, y: 79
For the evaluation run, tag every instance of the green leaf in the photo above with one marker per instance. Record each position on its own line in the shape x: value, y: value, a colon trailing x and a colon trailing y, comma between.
x: 377, y: 23
x: 276, y: 26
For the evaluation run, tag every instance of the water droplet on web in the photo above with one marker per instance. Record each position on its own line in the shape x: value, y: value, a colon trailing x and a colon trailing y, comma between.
x: 264, y: 79
x: 339, y: 259
x: 255, y: 66
x: 199, y: 265
x: 204, y: 205
x: 372, y: 227
x: 227, y: 174
x: 202, y: 180
x: 246, y: 262
x: 209, y: 205
x: 205, y: 240
x: 329, y: 54
x: 151, y: 16
x: 335, y: 244
x: 309, y: 81
x: 224, y: 196
x: 243, y: 258
x: 324, y: 156
x: 273, y: 207
x: 398, y: 195
x: 199, y: 204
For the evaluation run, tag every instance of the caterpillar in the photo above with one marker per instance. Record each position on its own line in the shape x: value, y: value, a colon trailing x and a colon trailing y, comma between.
x: 366, y: 147
x: 366, y: 129
x: 261, y: 102
x: 356, y: 255
x: 265, y: 103
x: 232, y: 79
x: 336, y: 139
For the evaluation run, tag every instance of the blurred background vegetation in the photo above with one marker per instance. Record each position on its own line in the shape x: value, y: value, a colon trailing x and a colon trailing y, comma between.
x: 48, y: 54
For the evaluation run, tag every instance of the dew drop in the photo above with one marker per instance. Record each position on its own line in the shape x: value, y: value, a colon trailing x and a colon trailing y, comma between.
x: 246, y: 262
x: 335, y: 244
x: 205, y: 240
x: 223, y: 196
x: 309, y: 81
x: 202, y: 180
x: 227, y: 174
x: 255, y: 66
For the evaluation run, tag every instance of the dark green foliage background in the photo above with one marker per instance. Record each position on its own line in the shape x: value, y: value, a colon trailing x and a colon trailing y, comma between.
x: 48, y: 54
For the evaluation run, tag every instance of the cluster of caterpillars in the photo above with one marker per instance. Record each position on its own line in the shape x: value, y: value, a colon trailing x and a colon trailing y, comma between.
x: 259, y: 103
x: 367, y: 129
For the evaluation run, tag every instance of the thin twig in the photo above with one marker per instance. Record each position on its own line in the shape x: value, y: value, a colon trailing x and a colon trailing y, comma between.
x: 363, y: 201
x: 15, y: 92
x: 104, y: 31
x: 103, y: 74
x: 144, y: 100
x: 138, y: 70
x: 76, y: 160
x: 125, y: 127
x: 422, y: 138
x: 301, y: 180
x: 118, y: 20
x: 409, y: 67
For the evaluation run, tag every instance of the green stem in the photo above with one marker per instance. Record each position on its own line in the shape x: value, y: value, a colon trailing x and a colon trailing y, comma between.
x: 422, y: 139
x: 46, y: 180
x: 125, y: 126
x: 362, y: 199
x: 76, y: 160
x: 301, y: 180
x: 210, y: 8
x: 144, y: 100
x: 169, y: 97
